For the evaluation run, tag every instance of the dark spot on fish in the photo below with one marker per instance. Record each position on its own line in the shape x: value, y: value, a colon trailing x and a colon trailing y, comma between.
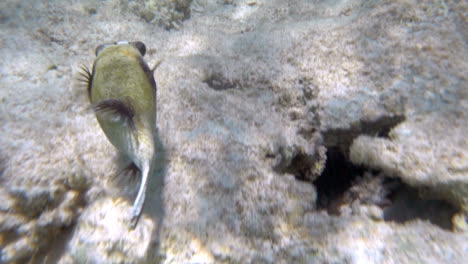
x: 119, y: 109
x: 140, y: 47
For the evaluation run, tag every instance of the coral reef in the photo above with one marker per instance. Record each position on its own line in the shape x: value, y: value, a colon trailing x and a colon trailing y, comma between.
x: 288, y: 132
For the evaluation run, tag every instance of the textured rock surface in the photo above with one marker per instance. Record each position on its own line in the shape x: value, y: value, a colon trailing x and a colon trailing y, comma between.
x: 429, y: 150
x: 104, y: 223
x: 250, y: 94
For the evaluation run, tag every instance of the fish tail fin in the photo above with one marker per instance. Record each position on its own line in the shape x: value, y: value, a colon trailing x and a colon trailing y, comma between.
x: 140, y: 199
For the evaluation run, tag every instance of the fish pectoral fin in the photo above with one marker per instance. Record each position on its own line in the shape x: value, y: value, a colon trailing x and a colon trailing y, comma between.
x: 156, y: 65
x: 86, y: 77
x: 118, y: 109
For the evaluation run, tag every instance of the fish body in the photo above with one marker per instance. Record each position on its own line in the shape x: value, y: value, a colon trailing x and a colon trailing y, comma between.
x: 122, y: 91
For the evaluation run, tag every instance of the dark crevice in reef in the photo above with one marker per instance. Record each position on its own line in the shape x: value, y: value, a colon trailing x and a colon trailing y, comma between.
x: 336, y: 178
x: 379, y: 128
x: 345, y: 188
x: 340, y: 174
x: 343, y: 184
x: 407, y: 205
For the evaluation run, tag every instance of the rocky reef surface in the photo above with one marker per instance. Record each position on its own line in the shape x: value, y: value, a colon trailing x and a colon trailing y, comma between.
x: 292, y: 131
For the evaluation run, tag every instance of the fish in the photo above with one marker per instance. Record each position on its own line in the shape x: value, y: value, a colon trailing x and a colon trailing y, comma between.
x: 122, y: 92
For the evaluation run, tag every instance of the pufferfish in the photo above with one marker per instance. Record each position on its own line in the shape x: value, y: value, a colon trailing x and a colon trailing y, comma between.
x: 122, y: 92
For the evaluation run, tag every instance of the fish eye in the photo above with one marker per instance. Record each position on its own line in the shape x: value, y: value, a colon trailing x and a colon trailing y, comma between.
x: 99, y: 49
x: 140, y: 47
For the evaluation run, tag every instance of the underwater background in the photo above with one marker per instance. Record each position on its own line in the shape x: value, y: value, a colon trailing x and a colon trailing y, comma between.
x: 300, y: 131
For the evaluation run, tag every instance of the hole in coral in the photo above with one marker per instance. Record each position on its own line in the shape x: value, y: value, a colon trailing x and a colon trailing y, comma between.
x: 344, y: 187
x: 336, y: 178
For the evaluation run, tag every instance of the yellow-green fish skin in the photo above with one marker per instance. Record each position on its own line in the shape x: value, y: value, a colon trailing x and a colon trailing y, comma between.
x: 121, y: 75
x: 118, y: 74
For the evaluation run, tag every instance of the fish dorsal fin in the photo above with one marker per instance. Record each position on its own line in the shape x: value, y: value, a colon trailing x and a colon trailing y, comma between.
x: 118, y: 109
